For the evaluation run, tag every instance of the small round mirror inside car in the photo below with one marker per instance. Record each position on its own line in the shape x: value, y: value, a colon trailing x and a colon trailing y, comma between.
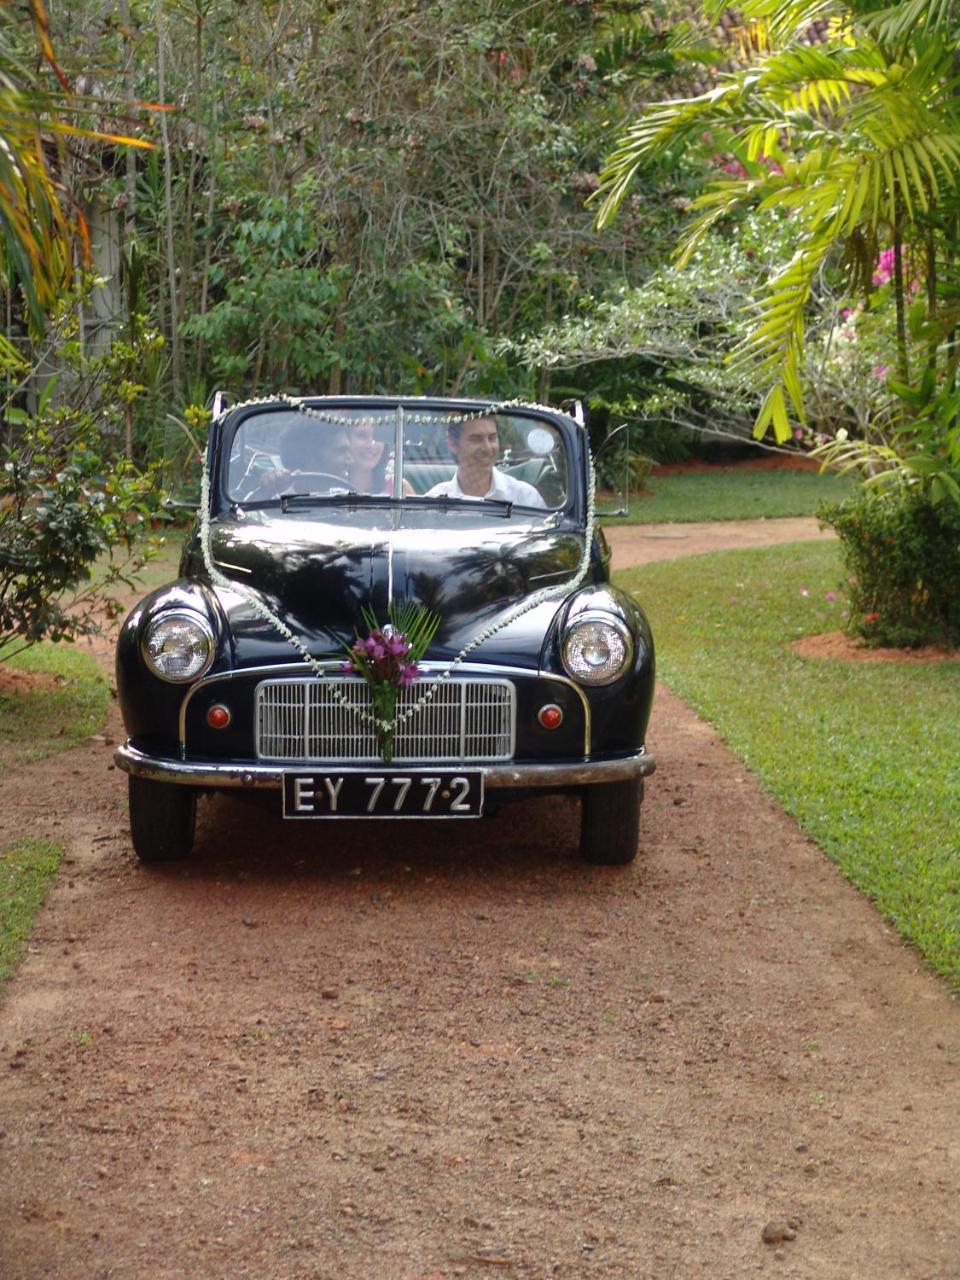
x: 541, y: 441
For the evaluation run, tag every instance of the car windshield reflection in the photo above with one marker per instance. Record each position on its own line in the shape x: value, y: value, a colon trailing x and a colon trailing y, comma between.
x: 302, y: 454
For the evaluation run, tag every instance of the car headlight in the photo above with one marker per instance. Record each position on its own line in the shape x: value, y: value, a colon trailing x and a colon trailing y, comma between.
x: 178, y: 646
x: 596, y: 649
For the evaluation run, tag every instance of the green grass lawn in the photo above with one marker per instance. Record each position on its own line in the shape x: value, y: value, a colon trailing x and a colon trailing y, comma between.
x: 63, y: 700
x: 60, y: 702
x: 863, y: 755
x: 734, y: 493
x: 53, y: 698
x: 27, y: 870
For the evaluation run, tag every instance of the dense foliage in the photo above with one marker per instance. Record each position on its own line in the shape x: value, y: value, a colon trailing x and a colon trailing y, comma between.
x: 902, y: 557
x: 393, y: 196
x: 73, y: 508
x: 363, y: 196
x: 857, y: 139
x: 335, y: 197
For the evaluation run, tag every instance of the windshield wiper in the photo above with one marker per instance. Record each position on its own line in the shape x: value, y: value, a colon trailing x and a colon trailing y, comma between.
x: 340, y: 498
x: 500, y: 505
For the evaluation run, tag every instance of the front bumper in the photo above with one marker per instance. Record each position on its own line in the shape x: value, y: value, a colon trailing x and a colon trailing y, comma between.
x: 520, y: 776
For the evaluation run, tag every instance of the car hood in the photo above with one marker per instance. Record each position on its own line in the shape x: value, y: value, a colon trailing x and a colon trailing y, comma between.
x: 316, y: 574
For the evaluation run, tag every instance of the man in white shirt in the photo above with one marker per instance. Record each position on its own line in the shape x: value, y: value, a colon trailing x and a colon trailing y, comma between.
x: 475, y: 444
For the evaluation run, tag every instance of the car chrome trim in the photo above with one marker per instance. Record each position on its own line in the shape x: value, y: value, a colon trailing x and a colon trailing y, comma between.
x: 314, y: 722
x: 283, y: 670
x: 520, y: 776
x: 616, y: 624
x: 189, y: 615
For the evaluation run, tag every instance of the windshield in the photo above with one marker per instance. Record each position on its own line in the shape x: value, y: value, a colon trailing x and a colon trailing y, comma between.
x: 403, y: 453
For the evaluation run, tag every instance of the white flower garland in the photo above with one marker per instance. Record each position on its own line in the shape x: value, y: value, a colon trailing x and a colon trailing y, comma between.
x: 543, y: 596
x: 372, y: 420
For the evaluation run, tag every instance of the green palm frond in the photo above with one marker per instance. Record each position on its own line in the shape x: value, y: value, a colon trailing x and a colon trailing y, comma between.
x: 659, y: 129
x: 805, y: 65
x: 417, y: 624
x: 866, y: 149
x: 40, y: 229
x: 785, y: 19
x: 894, y: 24
x: 774, y: 346
x: 36, y: 233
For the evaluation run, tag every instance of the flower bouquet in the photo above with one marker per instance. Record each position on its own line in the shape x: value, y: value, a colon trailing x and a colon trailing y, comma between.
x: 387, y: 658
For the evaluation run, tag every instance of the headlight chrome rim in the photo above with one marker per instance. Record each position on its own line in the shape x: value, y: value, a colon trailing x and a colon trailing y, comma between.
x: 599, y: 676
x: 203, y: 636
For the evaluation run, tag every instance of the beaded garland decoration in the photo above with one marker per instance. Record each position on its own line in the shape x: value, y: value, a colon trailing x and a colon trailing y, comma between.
x: 543, y: 596
x: 374, y: 420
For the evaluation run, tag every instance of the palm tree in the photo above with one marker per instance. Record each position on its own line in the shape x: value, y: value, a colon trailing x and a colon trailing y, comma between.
x: 858, y: 138
x: 40, y: 228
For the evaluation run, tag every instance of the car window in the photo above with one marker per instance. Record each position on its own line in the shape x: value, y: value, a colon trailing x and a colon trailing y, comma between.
x: 362, y: 450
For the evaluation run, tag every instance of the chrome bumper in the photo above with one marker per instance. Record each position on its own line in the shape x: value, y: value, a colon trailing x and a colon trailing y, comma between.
x: 582, y: 773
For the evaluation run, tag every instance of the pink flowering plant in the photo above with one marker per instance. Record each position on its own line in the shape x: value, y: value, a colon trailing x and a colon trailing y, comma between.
x: 387, y: 657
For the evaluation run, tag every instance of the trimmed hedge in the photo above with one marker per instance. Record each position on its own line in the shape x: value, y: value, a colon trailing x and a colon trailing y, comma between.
x: 902, y: 555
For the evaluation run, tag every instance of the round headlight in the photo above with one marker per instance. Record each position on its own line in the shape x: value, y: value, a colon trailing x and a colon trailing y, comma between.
x: 596, y: 649
x: 178, y: 646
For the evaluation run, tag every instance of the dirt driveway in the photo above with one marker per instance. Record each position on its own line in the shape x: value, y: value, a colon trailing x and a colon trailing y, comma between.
x: 385, y: 1054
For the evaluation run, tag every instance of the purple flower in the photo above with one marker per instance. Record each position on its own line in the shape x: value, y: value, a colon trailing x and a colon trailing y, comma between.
x: 397, y: 646
x: 831, y: 595
x: 374, y: 648
x: 347, y: 667
x: 408, y: 674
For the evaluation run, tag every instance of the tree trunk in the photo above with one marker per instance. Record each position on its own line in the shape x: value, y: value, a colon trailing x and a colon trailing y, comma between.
x: 176, y: 358
x: 903, y: 356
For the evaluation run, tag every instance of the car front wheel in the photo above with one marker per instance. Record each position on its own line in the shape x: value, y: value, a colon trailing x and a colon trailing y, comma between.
x: 610, y: 822
x: 162, y: 819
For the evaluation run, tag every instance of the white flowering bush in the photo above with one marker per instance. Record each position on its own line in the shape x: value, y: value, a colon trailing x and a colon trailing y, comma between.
x: 657, y: 353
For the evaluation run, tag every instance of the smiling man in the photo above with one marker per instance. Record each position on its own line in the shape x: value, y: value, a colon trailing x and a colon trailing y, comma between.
x: 475, y: 445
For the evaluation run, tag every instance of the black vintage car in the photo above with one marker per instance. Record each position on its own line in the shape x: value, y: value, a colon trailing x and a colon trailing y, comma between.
x: 321, y: 516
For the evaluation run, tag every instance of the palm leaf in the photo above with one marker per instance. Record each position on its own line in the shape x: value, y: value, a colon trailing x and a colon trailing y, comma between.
x: 877, y: 144
x: 417, y: 624
x: 40, y: 227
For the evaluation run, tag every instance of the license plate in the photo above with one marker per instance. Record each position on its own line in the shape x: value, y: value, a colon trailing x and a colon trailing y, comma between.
x: 383, y: 793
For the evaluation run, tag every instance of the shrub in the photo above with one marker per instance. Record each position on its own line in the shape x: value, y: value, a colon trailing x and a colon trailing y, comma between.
x: 73, y: 507
x: 902, y: 554
x: 65, y: 505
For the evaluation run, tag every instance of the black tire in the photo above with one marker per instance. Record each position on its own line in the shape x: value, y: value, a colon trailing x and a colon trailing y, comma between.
x: 162, y: 819
x: 610, y: 822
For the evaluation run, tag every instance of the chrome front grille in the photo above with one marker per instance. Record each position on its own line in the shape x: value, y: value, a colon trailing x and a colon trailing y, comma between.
x: 465, y: 720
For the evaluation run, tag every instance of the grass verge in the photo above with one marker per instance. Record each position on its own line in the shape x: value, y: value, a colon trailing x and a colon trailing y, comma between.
x: 735, y: 493
x: 862, y: 755
x: 51, y: 698
x: 27, y: 869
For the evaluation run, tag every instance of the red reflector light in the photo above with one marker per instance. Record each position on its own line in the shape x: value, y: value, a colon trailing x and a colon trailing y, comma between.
x: 218, y: 716
x: 550, y: 716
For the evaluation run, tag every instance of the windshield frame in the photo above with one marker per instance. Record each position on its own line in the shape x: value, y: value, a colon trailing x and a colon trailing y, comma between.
x: 403, y: 415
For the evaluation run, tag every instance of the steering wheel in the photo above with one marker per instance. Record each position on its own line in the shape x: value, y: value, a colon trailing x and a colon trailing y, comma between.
x: 327, y: 481
x: 276, y: 484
